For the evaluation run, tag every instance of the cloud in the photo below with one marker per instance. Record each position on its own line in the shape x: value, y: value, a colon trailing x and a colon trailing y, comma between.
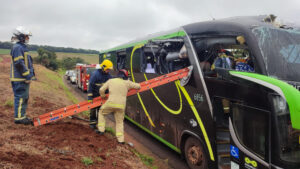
x: 99, y: 25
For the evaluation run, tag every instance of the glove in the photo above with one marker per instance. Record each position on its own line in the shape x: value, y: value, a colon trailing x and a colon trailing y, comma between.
x: 103, y: 96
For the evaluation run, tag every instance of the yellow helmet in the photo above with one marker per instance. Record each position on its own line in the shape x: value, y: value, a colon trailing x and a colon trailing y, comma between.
x: 106, y: 64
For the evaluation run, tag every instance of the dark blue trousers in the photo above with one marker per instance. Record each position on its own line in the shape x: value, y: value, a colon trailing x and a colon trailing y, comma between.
x: 21, y: 95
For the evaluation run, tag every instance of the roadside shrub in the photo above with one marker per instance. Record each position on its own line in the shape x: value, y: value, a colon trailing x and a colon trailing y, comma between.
x: 68, y: 63
x: 87, y: 161
x: 47, y: 59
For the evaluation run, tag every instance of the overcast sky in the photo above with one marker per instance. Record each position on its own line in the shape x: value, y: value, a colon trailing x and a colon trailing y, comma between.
x: 103, y: 24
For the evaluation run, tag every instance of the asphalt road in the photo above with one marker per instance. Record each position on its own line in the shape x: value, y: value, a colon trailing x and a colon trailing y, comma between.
x: 142, y: 138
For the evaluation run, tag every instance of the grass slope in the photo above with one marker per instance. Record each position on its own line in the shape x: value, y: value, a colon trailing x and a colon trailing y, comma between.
x: 89, y: 58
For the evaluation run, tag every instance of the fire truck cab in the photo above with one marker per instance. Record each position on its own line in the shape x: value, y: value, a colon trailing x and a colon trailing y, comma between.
x: 83, y: 73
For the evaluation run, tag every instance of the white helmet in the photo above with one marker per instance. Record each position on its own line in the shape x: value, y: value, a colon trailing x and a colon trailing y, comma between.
x: 21, y: 30
x: 19, y: 34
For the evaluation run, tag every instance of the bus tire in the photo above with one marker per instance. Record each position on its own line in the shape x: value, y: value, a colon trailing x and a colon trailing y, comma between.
x: 194, y: 154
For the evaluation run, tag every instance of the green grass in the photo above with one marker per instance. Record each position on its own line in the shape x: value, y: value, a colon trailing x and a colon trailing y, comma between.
x: 9, y: 103
x: 87, y: 161
x: 59, y: 79
x: 4, y: 51
x: 110, y: 130
x: 147, y: 160
x: 89, y: 58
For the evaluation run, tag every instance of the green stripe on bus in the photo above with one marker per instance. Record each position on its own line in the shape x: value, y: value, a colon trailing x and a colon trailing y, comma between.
x: 291, y: 94
x: 154, y: 135
x: 168, y: 36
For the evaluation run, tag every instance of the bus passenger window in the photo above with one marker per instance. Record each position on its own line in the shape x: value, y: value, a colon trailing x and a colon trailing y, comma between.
x: 177, y: 60
x: 150, y: 65
x: 121, y: 60
x: 228, y: 52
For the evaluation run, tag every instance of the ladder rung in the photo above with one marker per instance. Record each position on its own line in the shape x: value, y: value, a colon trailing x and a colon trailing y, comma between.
x: 83, y: 106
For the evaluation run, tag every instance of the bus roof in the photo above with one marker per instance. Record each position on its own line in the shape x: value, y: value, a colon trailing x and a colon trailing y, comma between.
x: 233, y: 24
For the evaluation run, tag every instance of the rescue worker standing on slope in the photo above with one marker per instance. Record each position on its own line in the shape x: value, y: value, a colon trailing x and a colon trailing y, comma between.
x: 99, y: 77
x: 116, y: 103
x: 21, y: 74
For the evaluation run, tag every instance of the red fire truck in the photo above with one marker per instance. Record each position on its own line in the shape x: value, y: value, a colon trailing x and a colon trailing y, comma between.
x: 83, y: 73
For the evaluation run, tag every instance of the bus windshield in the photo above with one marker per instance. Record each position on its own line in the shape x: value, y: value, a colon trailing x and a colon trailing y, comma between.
x: 289, y: 145
x: 281, y: 51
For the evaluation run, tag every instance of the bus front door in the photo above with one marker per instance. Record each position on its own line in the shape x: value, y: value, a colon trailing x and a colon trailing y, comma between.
x: 249, y: 133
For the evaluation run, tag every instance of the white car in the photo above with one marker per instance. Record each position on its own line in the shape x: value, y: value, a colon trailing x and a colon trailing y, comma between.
x: 73, y: 78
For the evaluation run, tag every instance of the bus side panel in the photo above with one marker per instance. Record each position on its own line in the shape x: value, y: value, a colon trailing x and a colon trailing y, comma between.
x: 196, y: 91
x: 162, y: 122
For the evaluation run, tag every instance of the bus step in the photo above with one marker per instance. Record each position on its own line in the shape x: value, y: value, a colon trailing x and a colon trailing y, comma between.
x: 223, y: 135
x: 222, y: 129
x: 227, y: 166
x: 224, y: 160
x: 223, y: 148
x: 223, y: 141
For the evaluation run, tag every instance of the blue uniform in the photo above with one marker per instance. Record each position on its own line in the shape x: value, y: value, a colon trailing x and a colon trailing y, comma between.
x: 97, y: 79
x: 21, y: 70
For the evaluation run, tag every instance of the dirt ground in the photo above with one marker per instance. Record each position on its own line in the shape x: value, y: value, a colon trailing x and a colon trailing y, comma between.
x: 69, y: 143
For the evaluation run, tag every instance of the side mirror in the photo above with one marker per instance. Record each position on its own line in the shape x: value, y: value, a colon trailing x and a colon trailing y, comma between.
x: 186, y: 79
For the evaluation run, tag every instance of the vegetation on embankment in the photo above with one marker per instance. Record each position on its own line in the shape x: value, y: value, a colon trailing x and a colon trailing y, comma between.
x: 87, y: 58
x: 51, y: 82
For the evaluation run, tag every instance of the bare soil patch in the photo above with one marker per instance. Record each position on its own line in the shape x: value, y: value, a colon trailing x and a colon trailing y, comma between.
x: 63, y: 144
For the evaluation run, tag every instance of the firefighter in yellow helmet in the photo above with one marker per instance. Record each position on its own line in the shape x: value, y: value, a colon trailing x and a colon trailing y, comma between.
x: 116, y: 103
x: 98, y: 78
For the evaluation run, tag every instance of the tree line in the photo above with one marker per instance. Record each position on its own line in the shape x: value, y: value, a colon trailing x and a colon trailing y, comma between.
x: 8, y: 45
x: 50, y: 61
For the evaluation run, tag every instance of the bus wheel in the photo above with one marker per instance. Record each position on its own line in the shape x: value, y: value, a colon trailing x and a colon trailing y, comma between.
x: 194, y: 154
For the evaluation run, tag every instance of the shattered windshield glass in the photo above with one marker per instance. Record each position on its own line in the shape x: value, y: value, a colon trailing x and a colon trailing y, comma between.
x: 281, y: 51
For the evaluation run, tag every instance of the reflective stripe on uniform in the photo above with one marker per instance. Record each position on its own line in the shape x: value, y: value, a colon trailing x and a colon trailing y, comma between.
x: 20, y: 118
x: 18, y: 58
x: 12, y: 69
x: 98, y: 84
x: 93, y: 122
x: 119, y: 134
x: 101, y: 124
x: 121, y: 106
x: 26, y: 59
x: 17, y: 79
x: 90, y: 94
x: 26, y: 73
x: 20, y: 107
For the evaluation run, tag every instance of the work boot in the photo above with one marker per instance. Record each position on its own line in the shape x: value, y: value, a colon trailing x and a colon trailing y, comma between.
x: 121, y: 142
x: 93, y: 126
x: 99, y: 132
x: 25, y: 121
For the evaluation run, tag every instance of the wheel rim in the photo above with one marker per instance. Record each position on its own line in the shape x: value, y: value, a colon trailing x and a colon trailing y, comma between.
x: 195, y: 155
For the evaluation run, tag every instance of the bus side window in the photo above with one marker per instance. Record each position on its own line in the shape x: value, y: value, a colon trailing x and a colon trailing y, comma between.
x: 161, y: 65
x: 231, y: 53
x: 177, y: 60
x: 149, y: 64
x: 121, y: 61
